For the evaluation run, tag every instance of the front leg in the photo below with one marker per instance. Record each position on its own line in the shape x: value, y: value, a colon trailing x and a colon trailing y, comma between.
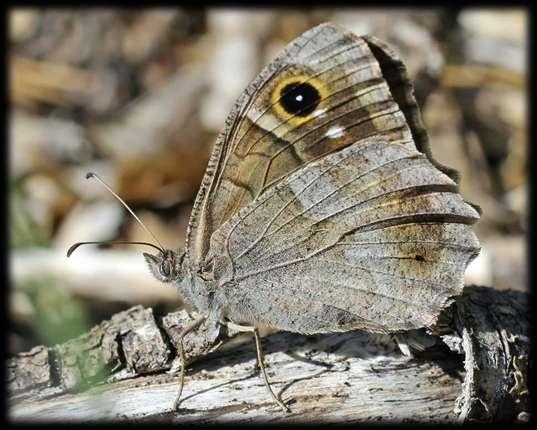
x: 260, y: 359
x: 181, y: 350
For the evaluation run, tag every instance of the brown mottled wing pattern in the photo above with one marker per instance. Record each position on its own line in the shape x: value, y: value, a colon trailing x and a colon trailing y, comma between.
x: 373, y: 236
x: 262, y: 143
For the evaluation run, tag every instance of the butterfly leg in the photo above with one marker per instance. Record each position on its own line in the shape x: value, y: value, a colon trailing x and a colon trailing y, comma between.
x: 181, y: 350
x: 260, y: 359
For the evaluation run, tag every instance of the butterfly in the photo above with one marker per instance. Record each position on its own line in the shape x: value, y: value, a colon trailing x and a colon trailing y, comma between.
x: 322, y: 208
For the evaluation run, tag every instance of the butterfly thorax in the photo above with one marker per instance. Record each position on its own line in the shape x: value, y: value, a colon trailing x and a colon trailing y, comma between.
x: 198, y: 291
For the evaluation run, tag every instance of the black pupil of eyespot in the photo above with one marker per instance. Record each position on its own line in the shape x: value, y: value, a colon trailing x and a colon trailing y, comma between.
x: 300, y: 99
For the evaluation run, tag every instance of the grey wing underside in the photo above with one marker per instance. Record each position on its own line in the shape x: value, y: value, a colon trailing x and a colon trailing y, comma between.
x: 373, y: 237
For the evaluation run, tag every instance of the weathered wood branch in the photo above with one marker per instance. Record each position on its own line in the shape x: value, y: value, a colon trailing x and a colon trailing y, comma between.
x: 472, y: 368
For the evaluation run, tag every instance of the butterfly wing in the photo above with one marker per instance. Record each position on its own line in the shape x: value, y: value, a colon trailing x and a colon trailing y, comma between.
x: 325, y: 91
x: 373, y: 236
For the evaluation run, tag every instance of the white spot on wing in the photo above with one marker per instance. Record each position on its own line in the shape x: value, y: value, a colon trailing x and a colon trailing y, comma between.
x: 334, y: 132
x: 319, y: 113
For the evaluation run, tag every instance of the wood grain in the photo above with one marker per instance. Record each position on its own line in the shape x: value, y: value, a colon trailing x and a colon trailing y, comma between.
x: 347, y: 377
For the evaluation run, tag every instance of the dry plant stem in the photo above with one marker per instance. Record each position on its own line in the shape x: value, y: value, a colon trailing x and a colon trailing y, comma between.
x: 260, y: 360
x: 181, y: 350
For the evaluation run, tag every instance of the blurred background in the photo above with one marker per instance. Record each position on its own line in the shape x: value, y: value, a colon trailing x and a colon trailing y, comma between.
x: 139, y: 96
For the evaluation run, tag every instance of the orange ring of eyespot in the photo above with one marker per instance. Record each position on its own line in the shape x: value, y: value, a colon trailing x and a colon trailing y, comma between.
x: 299, y: 79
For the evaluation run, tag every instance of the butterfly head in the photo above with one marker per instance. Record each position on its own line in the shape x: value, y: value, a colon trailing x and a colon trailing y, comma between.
x: 166, y: 266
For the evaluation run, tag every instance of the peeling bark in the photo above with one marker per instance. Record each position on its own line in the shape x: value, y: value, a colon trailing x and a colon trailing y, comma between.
x: 496, y: 346
x: 471, y: 367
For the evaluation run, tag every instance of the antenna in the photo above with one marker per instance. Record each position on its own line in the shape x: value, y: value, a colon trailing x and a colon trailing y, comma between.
x: 105, y: 242
x: 76, y: 245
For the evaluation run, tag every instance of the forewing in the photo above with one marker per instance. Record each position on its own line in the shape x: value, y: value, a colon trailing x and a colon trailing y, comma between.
x: 263, y: 142
x: 373, y: 236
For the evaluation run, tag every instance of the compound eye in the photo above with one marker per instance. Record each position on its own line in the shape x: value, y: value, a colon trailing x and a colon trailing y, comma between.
x: 165, y: 268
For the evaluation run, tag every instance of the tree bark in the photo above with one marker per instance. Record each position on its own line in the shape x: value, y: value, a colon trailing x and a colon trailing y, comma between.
x: 471, y: 367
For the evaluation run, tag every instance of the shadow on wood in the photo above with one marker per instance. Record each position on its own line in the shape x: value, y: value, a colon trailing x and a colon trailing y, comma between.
x: 471, y: 367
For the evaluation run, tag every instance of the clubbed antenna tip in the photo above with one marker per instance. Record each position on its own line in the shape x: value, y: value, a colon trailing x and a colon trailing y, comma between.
x: 90, y: 175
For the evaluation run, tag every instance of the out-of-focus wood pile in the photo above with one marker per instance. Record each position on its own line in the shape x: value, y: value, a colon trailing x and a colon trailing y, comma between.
x: 138, y: 97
